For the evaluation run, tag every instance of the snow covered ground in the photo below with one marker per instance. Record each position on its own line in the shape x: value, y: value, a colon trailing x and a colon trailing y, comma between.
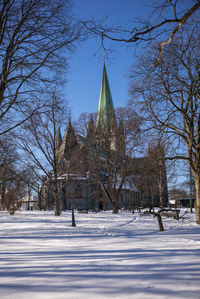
x: 104, y: 256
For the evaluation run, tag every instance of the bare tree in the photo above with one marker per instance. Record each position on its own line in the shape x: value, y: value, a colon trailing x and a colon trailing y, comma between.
x: 40, y: 144
x: 8, y: 156
x: 35, y: 39
x: 165, y: 20
x: 169, y: 96
x: 107, y: 152
x: 157, y: 171
x: 14, y: 176
x: 132, y: 123
x: 150, y: 175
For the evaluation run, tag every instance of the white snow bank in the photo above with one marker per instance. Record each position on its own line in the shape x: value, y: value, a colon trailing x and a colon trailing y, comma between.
x: 104, y: 256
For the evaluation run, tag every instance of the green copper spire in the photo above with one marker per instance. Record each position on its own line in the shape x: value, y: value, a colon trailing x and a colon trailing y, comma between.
x: 105, y: 108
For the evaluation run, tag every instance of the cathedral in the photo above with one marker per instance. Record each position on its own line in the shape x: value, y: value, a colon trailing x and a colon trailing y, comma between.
x: 77, y: 185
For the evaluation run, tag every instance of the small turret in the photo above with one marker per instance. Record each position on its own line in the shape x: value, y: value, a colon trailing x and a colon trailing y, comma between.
x: 90, y: 129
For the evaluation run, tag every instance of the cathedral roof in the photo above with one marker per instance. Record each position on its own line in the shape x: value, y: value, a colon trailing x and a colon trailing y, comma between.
x: 106, y: 107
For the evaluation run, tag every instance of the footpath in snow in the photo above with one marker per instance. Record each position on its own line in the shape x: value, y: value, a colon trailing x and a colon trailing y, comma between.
x: 104, y: 256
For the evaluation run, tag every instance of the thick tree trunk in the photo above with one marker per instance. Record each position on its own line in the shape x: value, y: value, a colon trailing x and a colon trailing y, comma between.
x: 115, y: 208
x: 56, y: 200
x: 191, y: 193
x: 2, y: 205
x: 197, y: 187
x: 57, y: 210
x: 152, y: 199
x: 160, y: 195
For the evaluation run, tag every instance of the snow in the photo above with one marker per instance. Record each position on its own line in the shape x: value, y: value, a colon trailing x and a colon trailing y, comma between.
x: 104, y: 256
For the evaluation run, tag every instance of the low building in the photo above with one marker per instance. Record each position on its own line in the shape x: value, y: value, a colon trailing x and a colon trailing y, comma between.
x: 29, y: 203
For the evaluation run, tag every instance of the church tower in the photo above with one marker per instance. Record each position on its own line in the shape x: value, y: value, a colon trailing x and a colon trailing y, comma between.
x: 106, y: 111
x: 106, y: 119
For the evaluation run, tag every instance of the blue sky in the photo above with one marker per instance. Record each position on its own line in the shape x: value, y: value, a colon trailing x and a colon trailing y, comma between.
x: 85, y: 69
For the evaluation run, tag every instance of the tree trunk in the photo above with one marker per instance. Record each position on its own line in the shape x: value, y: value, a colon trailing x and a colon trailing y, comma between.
x: 115, y: 208
x: 57, y: 211
x: 56, y: 200
x: 152, y: 199
x: 160, y: 193
x: 142, y: 201
x: 197, y: 187
x: 2, y: 206
x: 191, y: 193
x: 191, y: 203
x: 160, y: 222
x: 73, y: 217
x: 57, y: 204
